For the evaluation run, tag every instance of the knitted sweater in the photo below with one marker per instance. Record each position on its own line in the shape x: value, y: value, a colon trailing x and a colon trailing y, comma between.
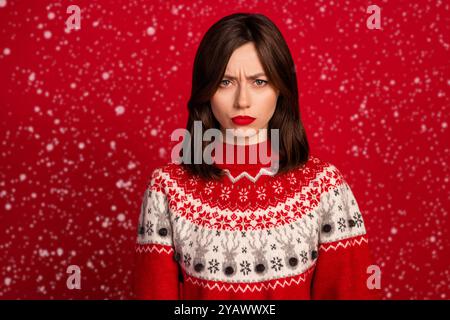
x: 251, y: 235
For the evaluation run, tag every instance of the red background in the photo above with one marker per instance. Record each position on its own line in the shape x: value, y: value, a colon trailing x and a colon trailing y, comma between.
x: 73, y: 170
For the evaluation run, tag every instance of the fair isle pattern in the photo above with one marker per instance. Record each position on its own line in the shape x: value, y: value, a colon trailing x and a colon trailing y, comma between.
x: 247, y: 246
x: 154, y: 216
x: 244, y: 194
x: 265, y: 243
x: 344, y: 244
x: 151, y: 247
x: 279, y: 252
x: 262, y: 286
x: 339, y: 215
x: 301, y: 202
x: 262, y: 171
x: 283, y: 251
x: 184, y: 205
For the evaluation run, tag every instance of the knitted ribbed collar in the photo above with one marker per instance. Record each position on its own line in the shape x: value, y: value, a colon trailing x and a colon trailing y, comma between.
x: 254, y: 159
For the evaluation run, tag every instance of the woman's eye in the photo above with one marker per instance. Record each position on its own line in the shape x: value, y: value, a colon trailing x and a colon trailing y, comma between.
x: 224, y: 82
x: 260, y: 82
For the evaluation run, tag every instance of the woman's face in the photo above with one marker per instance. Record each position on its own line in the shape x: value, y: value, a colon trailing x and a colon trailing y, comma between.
x: 244, y: 91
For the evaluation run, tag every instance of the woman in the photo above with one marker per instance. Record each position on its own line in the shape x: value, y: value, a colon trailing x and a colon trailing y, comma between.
x: 287, y: 228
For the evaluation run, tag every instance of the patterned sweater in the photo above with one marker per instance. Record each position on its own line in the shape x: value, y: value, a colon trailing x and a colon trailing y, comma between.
x: 251, y: 235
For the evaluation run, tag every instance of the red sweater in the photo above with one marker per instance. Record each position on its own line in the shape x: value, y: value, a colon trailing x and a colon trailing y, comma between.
x: 252, y: 235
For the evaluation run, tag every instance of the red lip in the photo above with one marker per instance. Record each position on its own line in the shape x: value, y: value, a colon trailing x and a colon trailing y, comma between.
x: 242, y: 120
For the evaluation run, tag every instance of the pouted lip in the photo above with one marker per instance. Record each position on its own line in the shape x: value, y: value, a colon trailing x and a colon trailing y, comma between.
x: 243, y: 118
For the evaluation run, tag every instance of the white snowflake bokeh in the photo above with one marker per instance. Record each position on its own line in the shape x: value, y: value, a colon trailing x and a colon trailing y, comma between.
x: 87, y: 114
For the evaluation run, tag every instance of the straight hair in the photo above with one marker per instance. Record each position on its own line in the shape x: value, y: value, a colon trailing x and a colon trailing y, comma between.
x: 211, y: 59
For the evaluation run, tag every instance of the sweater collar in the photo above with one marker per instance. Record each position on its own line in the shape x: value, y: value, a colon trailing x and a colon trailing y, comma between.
x: 245, y: 160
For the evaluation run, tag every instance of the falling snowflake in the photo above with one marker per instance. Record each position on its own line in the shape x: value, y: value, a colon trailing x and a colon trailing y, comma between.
x: 151, y: 31
x: 119, y: 110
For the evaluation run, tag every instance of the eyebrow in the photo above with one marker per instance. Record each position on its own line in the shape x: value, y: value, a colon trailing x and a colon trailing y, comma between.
x: 249, y: 77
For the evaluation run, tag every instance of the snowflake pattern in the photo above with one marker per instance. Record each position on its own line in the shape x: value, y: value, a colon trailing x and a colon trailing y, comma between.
x: 261, y: 193
x: 304, y: 256
x: 243, y: 195
x: 245, y: 267
x: 187, y: 259
x: 193, y: 181
x: 278, y: 188
x: 149, y: 228
x: 341, y: 225
x: 213, y: 266
x: 292, y: 179
x: 276, y: 263
x: 209, y: 188
x: 284, y: 214
x: 358, y: 219
x: 225, y: 195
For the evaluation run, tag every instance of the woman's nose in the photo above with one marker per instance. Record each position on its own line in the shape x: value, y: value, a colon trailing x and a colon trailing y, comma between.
x: 243, y: 100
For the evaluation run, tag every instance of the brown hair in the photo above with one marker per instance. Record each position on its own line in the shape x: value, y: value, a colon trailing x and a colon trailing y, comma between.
x: 214, y: 51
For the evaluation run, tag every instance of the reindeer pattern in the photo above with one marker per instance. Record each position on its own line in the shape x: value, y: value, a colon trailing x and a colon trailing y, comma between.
x: 339, y: 215
x: 154, y: 222
x: 251, y: 255
x: 264, y: 254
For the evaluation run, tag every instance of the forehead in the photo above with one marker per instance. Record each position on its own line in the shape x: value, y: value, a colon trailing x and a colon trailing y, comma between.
x: 245, y: 58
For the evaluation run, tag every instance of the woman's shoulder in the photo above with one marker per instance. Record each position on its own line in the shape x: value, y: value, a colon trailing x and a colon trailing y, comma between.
x: 166, y: 171
x: 165, y: 168
x: 155, y: 176
x: 317, y: 165
x: 323, y: 172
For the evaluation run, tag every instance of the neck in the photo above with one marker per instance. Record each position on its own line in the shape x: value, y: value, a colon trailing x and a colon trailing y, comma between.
x: 230, y: 138
x: 245, y: 156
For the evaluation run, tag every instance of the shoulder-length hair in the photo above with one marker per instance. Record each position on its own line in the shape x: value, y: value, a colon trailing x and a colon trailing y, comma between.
x: 214, y: 51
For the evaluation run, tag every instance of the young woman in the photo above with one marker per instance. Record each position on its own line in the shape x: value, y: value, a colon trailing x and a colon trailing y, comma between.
x: 289, y: 228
